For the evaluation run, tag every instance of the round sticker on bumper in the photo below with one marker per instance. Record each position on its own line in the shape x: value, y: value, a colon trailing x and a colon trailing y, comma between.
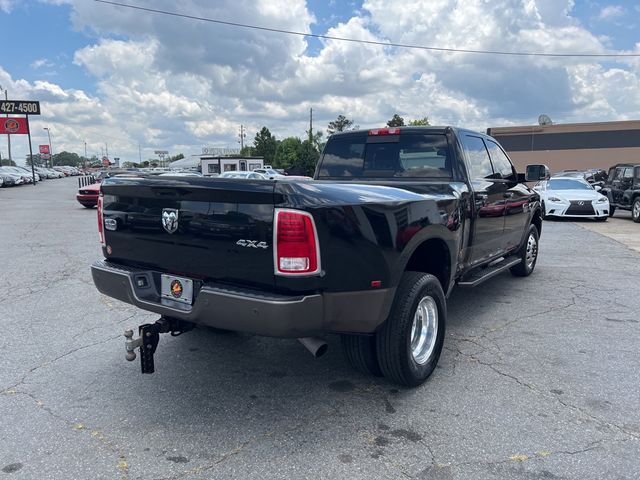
x: 176, y: 288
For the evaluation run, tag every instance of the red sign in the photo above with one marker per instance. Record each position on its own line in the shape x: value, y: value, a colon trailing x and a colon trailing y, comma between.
x: 44, y: 149
x: 14, y: 125
x: 105, y: 161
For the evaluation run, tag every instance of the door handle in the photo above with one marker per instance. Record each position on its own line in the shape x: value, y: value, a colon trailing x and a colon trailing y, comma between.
x: 507, y: 195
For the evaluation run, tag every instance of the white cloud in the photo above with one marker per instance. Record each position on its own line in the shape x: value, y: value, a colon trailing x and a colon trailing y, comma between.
x: 169, y: 82
x: 42, y: 63
x: 7, y: 6
x: 611, y: 11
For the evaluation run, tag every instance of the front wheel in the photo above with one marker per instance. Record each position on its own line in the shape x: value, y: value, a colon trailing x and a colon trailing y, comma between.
x: 612, y: 210
x: 528, y: 254
x: 410, y: 342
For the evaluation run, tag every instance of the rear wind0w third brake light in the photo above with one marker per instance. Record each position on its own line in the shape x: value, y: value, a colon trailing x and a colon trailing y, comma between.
x: 385, y: 131
x: 296, y: 250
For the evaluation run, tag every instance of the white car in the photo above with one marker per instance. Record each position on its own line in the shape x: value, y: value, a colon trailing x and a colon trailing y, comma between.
x: 246, y: 175
x: 571, y: 197
x: 269, y: 173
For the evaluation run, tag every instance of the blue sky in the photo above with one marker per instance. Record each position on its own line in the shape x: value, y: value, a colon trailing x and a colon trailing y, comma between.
x: 108, y: 74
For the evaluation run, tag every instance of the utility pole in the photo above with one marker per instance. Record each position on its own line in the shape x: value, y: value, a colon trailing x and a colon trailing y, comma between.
x: 106, y: 149
x: 50, y: 147
x: 139, y: 154
x: 242, y: 137
x: 6, y: 97
x: 85, y: 154
x: 311, y: 126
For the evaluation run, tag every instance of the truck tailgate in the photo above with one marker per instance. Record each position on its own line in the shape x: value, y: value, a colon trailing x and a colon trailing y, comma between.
x: 208, y: 228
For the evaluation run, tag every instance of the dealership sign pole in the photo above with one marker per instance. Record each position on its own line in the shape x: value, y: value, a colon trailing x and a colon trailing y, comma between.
x: 19, y: 125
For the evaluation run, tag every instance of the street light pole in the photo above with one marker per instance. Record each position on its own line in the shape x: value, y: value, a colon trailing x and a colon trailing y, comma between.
x: 50, y: 148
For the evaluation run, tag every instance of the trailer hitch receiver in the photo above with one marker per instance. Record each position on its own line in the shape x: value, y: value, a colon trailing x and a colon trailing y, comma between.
x: 148, y: 338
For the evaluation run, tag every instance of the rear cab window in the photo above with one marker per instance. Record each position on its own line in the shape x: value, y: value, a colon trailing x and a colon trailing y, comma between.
x: 407, y: 155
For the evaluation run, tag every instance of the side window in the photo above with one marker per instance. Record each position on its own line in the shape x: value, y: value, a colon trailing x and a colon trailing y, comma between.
x: 479, y: 161
x: 612, y: 174
x: 628, y: 173
x: 501, y: 162
x: 619, y: 172
x: 637, y: 174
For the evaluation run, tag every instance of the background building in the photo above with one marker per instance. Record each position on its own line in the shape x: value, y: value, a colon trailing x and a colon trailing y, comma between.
x: 569, y: 146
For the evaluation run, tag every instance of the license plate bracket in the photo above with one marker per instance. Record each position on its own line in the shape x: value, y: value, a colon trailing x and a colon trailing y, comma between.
x: 178, y: 289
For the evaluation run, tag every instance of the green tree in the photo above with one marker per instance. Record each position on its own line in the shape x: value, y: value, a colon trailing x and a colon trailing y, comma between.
x: 179, y: 156
x: 247, y: 151
x: 265, y: 145
x: 287, y: 153
x: 308, y: 158
x: 340, y: 124
x: 420, y: 121
x: 67, y: 158
x: 5, y: 162
x: 317, y: 141
x: 35, y: 159
x: 396, y: 121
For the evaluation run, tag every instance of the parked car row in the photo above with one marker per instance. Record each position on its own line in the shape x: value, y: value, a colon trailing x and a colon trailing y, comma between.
x: 14, y: 175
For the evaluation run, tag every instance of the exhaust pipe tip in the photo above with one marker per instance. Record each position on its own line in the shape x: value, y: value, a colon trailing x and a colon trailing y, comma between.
x: 316, y: 346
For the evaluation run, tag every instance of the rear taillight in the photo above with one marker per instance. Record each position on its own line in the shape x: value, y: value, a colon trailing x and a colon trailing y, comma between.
x: 296, y: 244
x: 100, y: 221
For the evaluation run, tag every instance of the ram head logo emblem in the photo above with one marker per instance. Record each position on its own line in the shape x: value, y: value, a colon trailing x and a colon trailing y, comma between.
x: 170, y: 219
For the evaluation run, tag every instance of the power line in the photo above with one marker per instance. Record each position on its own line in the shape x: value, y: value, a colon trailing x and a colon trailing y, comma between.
x: 371, y: 42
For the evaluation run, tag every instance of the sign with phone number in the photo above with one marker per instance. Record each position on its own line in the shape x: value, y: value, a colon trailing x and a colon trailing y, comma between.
x: 24, y: 107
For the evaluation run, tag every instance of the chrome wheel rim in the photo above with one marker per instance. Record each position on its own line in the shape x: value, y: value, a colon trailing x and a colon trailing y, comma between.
x: 424, y: 330
x: 636, y: 209
x: 532, y: 251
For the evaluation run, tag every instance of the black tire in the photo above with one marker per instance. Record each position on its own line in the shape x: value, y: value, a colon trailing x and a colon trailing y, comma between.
x: 635, y: 210
x: 88, y: 206
x: 393, y: 340
x: 525, y: 268
x: 612, y: 210
x: 360, y: 351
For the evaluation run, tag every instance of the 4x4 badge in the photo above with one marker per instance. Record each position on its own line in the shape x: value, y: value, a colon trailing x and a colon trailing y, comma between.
x: 251, y: 244
x: 170, y: 219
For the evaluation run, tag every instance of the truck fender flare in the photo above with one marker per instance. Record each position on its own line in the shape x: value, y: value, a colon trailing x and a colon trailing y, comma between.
x: 434, y: 232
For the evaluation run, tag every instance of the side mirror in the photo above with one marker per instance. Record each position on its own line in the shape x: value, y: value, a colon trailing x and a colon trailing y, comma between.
x: 597, y: 188
x: 535, y: 173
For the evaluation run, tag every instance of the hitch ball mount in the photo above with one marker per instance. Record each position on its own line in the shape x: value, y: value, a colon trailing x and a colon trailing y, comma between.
x: 148, y: 338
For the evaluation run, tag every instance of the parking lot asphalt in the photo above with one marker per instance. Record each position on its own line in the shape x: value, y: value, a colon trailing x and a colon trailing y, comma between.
x: 538, y: 379
x: 620, y: 228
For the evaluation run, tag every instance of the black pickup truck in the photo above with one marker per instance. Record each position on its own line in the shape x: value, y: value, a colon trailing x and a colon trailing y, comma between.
x: 370, y: 250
